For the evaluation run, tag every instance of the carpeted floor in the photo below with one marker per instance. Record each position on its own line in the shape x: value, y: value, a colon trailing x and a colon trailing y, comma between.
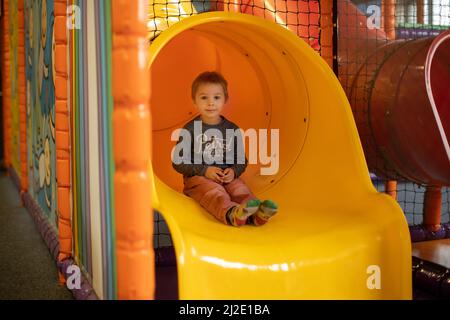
x: 27, y: 270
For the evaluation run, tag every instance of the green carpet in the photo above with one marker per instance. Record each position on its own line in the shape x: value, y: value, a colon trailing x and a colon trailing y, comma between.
x: 27, y: 270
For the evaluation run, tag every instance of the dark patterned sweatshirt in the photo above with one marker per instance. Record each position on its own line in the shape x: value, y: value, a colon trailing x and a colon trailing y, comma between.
x: 201, y: 145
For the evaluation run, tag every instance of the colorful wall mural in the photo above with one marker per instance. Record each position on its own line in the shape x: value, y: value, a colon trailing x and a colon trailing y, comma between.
x: 39, y: 46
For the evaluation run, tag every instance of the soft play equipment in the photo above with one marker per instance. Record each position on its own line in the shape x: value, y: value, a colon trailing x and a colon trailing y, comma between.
x: 399, y: 93
x: 89, y: 143
x: 322, y: 244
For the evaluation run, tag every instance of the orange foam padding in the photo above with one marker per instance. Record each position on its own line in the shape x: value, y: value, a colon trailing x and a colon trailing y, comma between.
x: 388, y: 13
x: 391, y: 188
x: 132, y: 151
x: 62, y: 125
x: 6, y: 86
x: 420, y: 11
x: 3, y: 62
x: 432, y: 210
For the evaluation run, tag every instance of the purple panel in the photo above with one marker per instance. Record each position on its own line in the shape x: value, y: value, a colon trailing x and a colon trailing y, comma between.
x: 420, y: 233
x: 446, y: 227
x: 408, y: 33
x: 417, y: 233
x: 435, y: 235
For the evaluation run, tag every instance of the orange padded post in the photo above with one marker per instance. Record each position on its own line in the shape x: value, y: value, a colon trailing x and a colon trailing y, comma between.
x: 132, y: 150
x: 62, y: 128
x: 432, y: 210
x: 420, y: 12
x: 388, y: 18
x: 6, y: 85
x: 391, y: 188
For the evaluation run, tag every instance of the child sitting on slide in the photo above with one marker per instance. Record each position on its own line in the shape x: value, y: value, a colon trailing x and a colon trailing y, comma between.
x: 211, y: 156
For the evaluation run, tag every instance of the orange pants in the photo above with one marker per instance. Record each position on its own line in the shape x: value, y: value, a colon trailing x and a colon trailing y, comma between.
x: 217, y: 199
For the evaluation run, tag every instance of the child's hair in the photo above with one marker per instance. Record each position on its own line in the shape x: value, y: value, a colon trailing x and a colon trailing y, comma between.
x: 209, y: 77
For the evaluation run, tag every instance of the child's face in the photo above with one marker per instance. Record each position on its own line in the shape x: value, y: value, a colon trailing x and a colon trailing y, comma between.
x: 209, y: 100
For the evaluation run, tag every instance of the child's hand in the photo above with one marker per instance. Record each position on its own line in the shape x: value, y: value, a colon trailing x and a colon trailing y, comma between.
x: 215, y: 174
x: 228, y: 175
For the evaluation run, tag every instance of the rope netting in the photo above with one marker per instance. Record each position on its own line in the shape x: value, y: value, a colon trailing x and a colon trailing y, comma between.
x: 411, y: 197
x: 300, y: 16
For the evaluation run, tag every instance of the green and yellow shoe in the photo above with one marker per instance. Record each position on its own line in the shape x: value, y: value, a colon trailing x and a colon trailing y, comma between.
x: 267, y: 210
x: 238, y: 215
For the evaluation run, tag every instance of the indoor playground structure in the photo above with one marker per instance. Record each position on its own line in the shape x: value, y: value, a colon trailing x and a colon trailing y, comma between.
x: 93, y: 91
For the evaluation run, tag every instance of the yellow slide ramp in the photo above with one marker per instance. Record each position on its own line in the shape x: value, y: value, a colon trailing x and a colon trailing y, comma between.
x: 334, y: 237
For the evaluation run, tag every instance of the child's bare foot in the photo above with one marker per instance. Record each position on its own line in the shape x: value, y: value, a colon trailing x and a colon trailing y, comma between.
x: 238, y: 215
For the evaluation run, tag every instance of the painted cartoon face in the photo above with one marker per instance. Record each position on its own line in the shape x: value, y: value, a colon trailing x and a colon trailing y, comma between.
x: 44, y: 23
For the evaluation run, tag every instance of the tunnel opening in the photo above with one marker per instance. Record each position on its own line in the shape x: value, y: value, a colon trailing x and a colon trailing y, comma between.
x: 266, y: 89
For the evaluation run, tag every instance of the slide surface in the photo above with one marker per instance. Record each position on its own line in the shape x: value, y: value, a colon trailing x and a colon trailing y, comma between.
x: 334, y: 237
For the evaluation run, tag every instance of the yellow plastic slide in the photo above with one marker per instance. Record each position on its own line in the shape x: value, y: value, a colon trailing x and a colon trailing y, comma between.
x: 334, y: 237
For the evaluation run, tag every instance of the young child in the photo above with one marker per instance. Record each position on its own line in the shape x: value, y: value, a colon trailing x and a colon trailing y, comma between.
x: 214, y: 180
